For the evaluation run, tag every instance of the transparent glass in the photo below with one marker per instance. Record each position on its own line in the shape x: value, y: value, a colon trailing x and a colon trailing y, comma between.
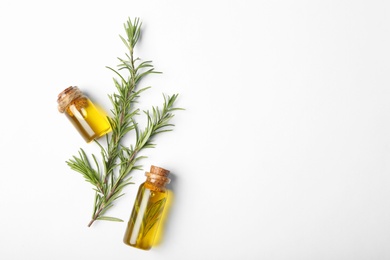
x: 146, y: 216
x: 89, y: 121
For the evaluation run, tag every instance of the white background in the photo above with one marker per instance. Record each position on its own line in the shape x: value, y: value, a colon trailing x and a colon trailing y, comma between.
x: 283, y: 151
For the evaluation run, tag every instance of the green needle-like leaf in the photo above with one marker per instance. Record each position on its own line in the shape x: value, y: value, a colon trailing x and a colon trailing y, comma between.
x: 109, y: 218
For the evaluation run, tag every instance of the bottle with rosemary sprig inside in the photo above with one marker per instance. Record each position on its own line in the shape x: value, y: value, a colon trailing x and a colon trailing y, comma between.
x: 148, y: 209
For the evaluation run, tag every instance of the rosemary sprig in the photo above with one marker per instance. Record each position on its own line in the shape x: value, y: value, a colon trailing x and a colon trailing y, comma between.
x: 118, y: 160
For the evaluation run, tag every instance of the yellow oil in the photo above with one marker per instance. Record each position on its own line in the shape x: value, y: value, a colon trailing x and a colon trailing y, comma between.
x: 146, y: 217
x: 160, y: 229
x: 87, y: 119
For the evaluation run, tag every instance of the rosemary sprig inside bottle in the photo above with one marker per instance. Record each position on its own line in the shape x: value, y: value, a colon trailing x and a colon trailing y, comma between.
x: 119, y: 160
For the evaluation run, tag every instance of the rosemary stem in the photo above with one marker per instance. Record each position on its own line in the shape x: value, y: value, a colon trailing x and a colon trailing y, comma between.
x: 112, y: 192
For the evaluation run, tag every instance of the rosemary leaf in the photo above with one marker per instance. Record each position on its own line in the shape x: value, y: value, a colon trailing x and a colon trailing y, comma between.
x: 109, y: 218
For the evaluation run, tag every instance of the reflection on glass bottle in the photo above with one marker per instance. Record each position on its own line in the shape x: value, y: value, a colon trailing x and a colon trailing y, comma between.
x: 148, y: 209
x: 90, y: 122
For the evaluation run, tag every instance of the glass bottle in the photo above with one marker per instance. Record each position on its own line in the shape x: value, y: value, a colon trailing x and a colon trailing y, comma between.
x: 84, y: 115
x: 148, y: 209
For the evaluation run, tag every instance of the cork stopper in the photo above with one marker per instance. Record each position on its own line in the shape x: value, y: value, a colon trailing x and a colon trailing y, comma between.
x: 158, y: 176
x: 67, y: 96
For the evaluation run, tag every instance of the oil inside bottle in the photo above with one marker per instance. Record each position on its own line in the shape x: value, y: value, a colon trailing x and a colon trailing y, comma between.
x: 148, y: 210
x: 87, y: 119
x: 145, y: 218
